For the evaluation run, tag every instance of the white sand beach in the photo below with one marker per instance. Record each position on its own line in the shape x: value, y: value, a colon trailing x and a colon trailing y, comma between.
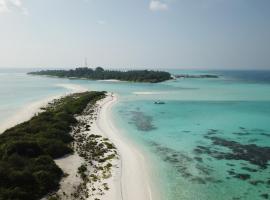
x: 134, y: 180
x: 130, y: 179
x: 25, y: 113
x: 111, y: 80
x: 31, y: 109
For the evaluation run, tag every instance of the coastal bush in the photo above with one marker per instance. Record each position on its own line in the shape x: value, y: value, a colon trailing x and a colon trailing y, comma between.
x: 27, y: 150
x: 81, y: 170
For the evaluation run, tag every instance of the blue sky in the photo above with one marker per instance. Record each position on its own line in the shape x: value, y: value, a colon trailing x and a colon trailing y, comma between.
x: 230, y: 34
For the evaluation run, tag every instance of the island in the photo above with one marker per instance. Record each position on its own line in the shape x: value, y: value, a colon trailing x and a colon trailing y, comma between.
x: 99, y: 73
x: 29, y: 151
x: 196, y: 76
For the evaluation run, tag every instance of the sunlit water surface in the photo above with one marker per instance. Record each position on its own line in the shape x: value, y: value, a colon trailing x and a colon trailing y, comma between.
x: 210, y: 140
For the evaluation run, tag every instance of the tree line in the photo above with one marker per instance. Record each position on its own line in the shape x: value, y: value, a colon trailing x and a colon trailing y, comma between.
x: 100, y: 74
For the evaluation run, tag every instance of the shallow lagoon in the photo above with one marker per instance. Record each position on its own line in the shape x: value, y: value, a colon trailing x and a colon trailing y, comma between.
x: 182, y: 128
x: 199, y: 141
x: 206, y: 139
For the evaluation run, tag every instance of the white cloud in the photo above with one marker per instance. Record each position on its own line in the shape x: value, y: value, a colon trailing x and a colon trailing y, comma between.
x: 3, y: 6
x: 12, y: 5
x: 156, y: 5
x: 16, y: 3
x: 25, y: 11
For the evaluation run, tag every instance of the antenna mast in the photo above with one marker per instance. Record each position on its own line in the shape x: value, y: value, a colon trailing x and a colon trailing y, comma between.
x: 85, y: 62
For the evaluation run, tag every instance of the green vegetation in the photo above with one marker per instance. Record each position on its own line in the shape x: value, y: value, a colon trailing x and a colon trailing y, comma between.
x: 99, y: 155
x: 81, y: 170
x: 101, y: 74
x: 27, y: 168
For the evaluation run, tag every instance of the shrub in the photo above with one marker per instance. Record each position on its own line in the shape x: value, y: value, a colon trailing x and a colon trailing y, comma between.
x: 27, y: 150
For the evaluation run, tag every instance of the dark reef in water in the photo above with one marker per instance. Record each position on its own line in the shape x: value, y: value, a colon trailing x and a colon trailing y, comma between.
x: 186, y: 131
x: 244, y: 161
x: 251, y: 157
x: 242, y: 176
x: 255, y: 132
x: 185, y: 164
x: 141, y: 121
x: 249, y: 169
x: 265, y: 196
x: 212, y: 132
x: 251, y: 153
x: 256, y: 182
x: 266, y: 134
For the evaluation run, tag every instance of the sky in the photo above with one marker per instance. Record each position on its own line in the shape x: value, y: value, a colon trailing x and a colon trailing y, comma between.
x: 210, y: 34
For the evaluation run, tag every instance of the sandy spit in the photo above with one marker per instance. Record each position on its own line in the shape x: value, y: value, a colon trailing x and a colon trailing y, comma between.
x: 33, y: 108
x: 134, y: 180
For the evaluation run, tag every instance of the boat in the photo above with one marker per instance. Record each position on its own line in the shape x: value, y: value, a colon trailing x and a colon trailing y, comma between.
x: 159, y: 102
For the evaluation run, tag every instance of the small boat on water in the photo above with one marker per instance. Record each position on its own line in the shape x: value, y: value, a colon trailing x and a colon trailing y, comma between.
x: 159, y: 102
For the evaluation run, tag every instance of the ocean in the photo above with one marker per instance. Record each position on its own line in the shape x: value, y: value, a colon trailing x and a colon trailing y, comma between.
x: 210, y: 140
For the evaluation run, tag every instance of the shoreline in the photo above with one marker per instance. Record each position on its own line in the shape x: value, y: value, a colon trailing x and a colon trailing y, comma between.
x: 28, y: 111
x: 135, y: 179
x: 25, y: 113
x: 130, y: 178
x: 130, y: 174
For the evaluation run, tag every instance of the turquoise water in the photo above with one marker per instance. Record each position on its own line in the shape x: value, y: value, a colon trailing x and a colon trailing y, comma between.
x: 179, y: 127
x: 18, y: 90
x: 210, y: 140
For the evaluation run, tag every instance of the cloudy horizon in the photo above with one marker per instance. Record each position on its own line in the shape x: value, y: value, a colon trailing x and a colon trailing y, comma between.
x: 197, y: 34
